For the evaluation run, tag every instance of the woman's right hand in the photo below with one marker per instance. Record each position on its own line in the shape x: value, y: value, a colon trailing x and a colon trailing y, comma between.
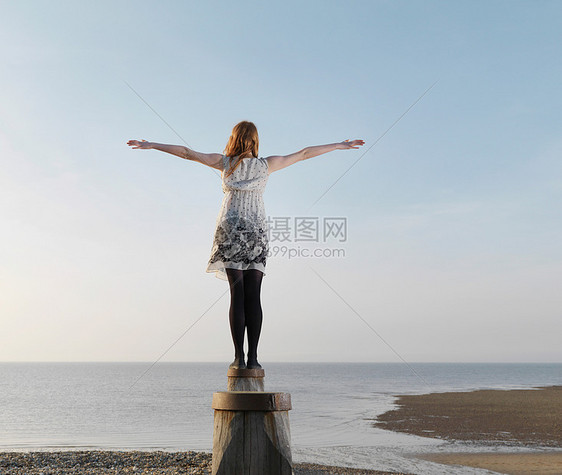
x: 143, y: 144
x: 346, y: 144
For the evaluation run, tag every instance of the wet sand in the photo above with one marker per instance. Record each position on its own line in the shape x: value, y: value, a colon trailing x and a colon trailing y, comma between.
x: 544, y: 463
x: 525, y: 417
x: 530, y: 418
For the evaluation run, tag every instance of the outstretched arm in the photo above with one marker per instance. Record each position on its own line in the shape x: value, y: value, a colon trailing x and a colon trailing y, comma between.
x: 213, y: 160
x: 277, y: 162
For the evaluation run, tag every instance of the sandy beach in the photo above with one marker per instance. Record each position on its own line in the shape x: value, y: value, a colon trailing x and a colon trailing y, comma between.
x: 543, y: 463
x: 530, y: 418
x: 94, y: 462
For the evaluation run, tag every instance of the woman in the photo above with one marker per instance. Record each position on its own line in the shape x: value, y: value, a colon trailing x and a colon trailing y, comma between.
x: 240, y: 244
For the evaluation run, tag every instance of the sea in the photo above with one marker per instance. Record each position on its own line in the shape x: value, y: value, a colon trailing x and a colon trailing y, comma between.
x: 167, y: 406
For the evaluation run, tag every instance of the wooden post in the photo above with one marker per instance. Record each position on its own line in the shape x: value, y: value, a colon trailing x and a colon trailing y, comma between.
x: 251, y: 433
x: 245, y: 379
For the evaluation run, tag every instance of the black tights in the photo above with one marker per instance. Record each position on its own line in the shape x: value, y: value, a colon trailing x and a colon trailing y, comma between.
x: 245, y: 312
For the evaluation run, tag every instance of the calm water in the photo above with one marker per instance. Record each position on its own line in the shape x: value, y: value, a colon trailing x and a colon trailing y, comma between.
x: 53, y: 406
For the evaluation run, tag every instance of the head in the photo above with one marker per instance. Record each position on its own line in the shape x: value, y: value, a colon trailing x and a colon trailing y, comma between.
x: 243, y: 142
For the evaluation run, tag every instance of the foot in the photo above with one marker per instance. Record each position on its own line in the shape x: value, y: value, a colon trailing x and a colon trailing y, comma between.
x: 253, y: 364
x: 238, y: 363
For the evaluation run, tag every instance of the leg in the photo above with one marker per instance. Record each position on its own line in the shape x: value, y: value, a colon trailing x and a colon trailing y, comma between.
x: 236, y: 315
x: 253, y: 313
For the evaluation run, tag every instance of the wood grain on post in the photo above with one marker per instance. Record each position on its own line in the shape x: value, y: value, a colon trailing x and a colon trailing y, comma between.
x: 251, y: 401
x: 251, y: 429
x: 245, y: 379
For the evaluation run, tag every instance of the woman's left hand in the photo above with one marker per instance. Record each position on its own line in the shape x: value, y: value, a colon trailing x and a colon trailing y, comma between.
x: 346, y: 144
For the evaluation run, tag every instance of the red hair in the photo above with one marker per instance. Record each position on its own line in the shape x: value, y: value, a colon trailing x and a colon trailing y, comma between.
x: 243, y: 141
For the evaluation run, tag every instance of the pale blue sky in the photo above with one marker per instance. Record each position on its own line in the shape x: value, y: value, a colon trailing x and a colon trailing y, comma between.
x: 453, y: 218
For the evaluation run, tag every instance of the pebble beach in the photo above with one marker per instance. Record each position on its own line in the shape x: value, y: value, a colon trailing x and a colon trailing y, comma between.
x: 94, y: 462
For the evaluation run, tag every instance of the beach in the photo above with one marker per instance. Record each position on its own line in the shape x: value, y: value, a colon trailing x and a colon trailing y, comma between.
x: 94, y: 462
x: 524, y: 426
x: 115, y: 433
x: 543, y: 463
x: 516, y: 419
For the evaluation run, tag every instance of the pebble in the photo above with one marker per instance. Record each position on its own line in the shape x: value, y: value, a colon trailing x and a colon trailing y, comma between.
x: 98, y: 462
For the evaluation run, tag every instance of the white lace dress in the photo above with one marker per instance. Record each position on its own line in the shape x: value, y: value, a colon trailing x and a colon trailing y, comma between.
x: 241, y: 234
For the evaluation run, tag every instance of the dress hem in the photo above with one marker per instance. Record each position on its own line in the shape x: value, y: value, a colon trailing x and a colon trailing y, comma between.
x: 219, y: 267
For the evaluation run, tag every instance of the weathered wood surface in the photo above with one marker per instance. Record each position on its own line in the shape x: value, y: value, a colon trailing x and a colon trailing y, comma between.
x: 251, y: 401
x: 245, y: 379
x: 251, y: 428
x: 252, y: 443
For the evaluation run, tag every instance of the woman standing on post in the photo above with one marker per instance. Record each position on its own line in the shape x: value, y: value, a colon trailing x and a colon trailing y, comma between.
x: 240, y: 245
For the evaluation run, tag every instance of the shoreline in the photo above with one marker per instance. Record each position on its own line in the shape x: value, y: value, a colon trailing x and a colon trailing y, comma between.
x: 523, y: 426
x: 157, y: 462
x: 510, y: 420
x: 517, y: 417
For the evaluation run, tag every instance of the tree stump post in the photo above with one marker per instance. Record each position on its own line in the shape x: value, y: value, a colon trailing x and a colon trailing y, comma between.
x: 251, y: 431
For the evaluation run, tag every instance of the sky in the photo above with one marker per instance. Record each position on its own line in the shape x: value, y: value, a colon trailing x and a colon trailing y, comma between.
x: 451, y: 250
